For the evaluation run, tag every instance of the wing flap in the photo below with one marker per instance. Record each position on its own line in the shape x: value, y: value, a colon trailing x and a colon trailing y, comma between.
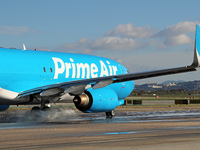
x: 51, y: 92
x: 101, y: 84
x: 76, y: 90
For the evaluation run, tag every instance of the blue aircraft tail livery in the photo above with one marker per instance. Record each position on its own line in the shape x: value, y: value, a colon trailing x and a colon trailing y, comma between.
x: 94, y: 84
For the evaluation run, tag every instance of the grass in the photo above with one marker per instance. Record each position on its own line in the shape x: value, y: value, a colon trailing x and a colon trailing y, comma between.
x: 165, y: 97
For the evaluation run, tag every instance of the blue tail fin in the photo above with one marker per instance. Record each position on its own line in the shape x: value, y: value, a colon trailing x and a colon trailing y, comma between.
x: 196, y: 61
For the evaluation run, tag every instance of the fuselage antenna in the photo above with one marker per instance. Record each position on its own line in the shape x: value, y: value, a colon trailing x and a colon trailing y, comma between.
x: 24, y: 47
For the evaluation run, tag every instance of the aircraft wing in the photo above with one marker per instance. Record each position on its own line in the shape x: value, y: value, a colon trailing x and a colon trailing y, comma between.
x: 78, y: 86
x: 142, y: 75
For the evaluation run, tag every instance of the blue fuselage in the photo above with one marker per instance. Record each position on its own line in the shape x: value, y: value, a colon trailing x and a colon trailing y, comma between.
x: 23, y: 70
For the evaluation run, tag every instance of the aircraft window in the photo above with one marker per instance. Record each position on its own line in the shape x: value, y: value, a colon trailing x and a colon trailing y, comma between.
x: 51, y: 69
x: 44, y: 69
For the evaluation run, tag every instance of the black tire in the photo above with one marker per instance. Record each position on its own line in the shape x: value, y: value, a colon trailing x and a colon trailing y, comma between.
x: 110, y: 114
x: 35, y: 113
x: 35, y: 108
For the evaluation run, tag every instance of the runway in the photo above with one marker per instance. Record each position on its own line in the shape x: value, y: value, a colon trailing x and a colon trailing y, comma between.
x: 132, y: 128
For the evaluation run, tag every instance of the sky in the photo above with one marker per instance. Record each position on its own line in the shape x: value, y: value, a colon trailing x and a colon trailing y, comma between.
x: 142, y: 35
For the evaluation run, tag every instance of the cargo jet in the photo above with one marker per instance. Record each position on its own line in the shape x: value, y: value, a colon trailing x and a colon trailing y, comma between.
x: 92, y: 83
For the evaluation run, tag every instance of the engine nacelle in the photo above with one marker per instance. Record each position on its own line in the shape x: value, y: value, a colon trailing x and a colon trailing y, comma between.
x: 4, y: 107
x: 97, y: 100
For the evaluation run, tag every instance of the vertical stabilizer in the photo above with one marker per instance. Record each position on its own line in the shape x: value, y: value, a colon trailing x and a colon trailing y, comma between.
x: 196, y: 61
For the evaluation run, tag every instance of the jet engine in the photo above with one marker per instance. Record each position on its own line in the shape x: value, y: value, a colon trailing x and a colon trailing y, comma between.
x: 97, y: 100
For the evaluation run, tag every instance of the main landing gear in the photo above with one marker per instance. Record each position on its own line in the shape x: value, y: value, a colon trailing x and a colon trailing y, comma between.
x: 36, y: 111
x: 44, y: 106
x: 110, y: 114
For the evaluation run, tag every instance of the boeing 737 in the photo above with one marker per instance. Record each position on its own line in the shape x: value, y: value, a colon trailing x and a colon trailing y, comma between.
x: 92, y: 83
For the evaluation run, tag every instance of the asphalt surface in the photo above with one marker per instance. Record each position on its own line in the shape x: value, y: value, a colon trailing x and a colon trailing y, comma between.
x: 132, y: 128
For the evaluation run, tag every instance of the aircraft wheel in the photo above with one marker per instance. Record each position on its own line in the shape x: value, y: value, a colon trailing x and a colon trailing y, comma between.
x: 110, y: 114
x: 35, y: 112
x: 35, y: 108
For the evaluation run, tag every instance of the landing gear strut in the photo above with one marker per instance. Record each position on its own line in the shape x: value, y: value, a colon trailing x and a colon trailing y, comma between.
x: 44, y: 106
x: 110, y: 114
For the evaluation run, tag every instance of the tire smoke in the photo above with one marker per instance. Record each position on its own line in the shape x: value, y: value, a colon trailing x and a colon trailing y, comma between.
x: 50, y: 115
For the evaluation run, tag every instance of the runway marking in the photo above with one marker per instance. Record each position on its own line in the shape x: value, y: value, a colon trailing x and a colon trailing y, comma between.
x: 19, y: 125
x: 152, y: 130
x: 117, y: 133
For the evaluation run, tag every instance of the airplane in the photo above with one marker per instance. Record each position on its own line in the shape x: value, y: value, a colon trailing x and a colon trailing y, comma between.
x: 94, y: 84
